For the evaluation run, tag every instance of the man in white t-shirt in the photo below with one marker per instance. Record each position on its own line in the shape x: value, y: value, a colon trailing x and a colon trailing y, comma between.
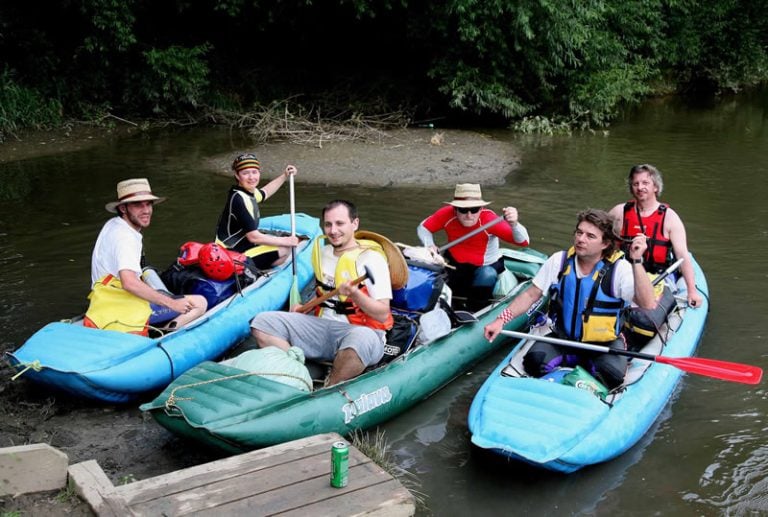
x: 120, y: 299
x: 349, y: 328
x: 591, y: 276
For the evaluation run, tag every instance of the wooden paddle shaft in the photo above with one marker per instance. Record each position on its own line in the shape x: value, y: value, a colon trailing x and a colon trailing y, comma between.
x: 320, y: 299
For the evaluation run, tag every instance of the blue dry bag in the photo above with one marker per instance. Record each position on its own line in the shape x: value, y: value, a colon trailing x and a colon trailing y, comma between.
x: 425, y: 282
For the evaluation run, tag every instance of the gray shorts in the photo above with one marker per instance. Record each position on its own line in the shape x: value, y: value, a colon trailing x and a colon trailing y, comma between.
x: 321, y: 338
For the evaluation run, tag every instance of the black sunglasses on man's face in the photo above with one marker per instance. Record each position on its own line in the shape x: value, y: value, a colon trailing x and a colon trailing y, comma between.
x: 468, y: 210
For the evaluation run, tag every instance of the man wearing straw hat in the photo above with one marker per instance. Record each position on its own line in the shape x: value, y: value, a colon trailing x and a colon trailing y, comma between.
x: 477, y: 260
x: 350, y: 327
x: 120, y: 300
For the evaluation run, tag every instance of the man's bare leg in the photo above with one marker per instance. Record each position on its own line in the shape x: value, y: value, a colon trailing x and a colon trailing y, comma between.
x: 346, y: 365
x: 199, y: 306
x: 264, y: 340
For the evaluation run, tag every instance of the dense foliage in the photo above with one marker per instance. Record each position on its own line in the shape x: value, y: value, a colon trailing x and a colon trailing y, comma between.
x: 565, y: 62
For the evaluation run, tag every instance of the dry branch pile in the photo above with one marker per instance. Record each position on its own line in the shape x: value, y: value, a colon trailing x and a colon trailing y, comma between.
x: 280, y: 122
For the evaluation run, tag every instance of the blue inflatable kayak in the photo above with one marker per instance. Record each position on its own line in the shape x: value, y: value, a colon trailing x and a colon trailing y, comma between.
x: 117, y: 367
x: 560, y: 427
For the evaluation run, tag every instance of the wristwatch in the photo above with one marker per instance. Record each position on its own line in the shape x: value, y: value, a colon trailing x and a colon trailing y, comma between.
x: 635, y: 261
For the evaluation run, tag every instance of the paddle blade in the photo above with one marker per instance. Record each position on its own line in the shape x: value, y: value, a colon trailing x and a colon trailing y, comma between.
x: 295, y: 296
x: 727, y: 371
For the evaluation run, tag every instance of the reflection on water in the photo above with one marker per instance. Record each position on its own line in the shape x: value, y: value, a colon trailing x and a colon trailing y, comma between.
x: 706, y: 455
x: 14, y: 184
x: 741, y: 488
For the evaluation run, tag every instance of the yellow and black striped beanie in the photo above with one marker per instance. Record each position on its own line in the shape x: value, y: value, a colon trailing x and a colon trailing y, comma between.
x: 246, y: 161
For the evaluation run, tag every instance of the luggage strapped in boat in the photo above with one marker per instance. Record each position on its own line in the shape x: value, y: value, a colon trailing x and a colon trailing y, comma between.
x: 215, y: 280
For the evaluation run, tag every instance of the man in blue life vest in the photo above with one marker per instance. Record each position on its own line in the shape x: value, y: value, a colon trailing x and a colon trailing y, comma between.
x: 349, y: 328
x: 645, y: 215
x: 590, y: 285
x: 120, y: 299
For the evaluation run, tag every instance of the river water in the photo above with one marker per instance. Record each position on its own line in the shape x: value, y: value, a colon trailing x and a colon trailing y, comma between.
x: 706, y: 455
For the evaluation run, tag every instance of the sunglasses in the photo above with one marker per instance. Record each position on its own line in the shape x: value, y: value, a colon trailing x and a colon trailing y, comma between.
x: 468, y: 210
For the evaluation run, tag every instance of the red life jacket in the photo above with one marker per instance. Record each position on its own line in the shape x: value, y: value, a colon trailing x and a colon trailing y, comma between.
x: 659, y: 253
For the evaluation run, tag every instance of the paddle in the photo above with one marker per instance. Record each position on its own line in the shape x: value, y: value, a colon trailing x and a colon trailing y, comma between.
x: 672, y: 267
x: 470, y: 234
x: 294, y: 297
x: 320, y: 299
x: 727, y: 371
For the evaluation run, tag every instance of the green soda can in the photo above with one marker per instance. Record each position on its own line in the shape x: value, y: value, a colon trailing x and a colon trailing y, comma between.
x: 339, y: 464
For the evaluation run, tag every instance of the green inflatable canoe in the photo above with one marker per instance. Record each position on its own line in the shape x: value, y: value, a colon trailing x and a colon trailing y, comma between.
x: 235, y: 410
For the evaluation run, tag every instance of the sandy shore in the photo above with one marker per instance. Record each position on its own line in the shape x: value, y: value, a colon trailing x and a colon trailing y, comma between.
x: 402, y: 157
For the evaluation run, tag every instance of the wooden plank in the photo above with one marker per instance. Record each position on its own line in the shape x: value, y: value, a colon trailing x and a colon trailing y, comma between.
x: 264, y: 483
x: 296, y: 497
x: 95, y: 488
x: 32, y: 468
x: 390, y: 499
x: 253, y: 463
x: 291, y: 478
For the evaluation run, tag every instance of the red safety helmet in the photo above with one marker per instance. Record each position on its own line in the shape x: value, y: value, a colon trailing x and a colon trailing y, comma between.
x: 216, y: 262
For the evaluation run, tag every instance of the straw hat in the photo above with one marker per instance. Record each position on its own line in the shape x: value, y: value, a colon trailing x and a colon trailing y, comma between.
x: 398, y: 268
x: 133, y: 190
x: 467, y: 195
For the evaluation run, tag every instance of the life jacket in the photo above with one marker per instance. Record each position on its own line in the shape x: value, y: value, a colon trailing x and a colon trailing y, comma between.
x: 346, y: 270
x: 585, y: 309
x: 238, y: 239
x: 114, y: 308
x: 659, y: 253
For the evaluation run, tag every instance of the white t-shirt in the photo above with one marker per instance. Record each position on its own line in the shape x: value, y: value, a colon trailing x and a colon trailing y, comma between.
x: 623, y: 278
x: 117, y: 247
x: 380, y: 290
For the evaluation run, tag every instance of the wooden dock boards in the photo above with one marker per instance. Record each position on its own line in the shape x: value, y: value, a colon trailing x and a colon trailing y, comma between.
x: 288, y: 479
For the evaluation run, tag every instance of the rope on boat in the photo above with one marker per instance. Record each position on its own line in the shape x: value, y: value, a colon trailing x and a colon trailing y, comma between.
x: 170, y: 403
x: 349, y: 399
x: 345, y: 395
x: 34, y: 365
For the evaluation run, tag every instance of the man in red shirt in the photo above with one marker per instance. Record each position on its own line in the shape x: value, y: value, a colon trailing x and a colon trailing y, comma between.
x: 477, y: 260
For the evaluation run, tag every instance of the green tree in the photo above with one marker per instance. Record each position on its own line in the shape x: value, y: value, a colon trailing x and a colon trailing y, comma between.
x: 574, y: 62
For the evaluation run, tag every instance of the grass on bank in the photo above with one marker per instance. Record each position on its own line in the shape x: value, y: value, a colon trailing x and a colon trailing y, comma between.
x: 373, y: 444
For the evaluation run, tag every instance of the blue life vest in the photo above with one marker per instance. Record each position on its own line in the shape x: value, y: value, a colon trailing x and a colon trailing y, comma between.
x: 585, y: 309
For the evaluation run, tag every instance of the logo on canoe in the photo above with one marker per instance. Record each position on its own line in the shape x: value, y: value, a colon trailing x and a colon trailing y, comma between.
x: 365, y: 403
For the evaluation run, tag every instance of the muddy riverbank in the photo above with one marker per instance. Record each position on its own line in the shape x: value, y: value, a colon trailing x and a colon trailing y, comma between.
x: 399, y: 157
